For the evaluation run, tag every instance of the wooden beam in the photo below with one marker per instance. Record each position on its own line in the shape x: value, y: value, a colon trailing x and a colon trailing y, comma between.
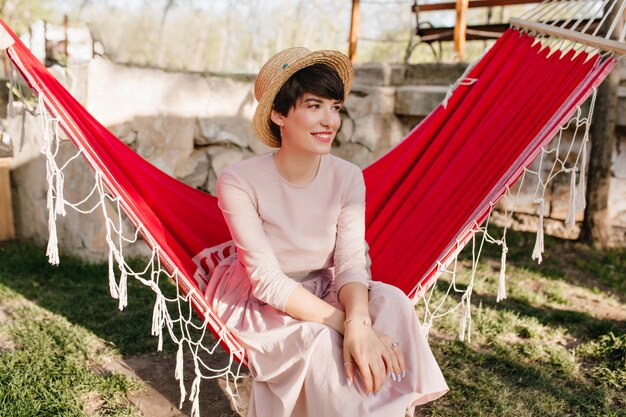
x: 354, y: 30
x: 460, y: 28
x: 572, y: 35
x: 472, y: 4
x: 65, y: 46
x: 482, y: 32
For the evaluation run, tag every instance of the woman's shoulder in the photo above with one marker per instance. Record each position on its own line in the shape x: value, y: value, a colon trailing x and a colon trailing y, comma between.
x: 245, y: 168
x: 344, y: 168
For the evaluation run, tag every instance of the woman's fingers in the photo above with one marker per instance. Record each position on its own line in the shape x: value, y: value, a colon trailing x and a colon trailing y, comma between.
x: 397, y: 364
x: 400, y: 359
x: 366, y: 374
x: 395, y: 361
x: 378, y: 373
x: 388, y: 359
x: 375, y: 356
x: 348, y: 365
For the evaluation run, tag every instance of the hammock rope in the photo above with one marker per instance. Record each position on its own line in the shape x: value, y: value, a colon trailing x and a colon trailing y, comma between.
x: 427, y: 159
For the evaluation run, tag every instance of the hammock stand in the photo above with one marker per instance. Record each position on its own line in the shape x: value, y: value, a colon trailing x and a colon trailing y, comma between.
x: 442, y: 154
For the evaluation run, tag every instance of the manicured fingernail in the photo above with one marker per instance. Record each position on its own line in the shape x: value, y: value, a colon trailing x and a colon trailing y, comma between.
x: 370, y: 395
x: 348, y: 382
x: 403, y: 373
x: 394, y: 377
x: 389, y: 375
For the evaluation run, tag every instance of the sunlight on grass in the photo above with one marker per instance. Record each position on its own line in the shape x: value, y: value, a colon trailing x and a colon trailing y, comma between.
x: 51, y: 366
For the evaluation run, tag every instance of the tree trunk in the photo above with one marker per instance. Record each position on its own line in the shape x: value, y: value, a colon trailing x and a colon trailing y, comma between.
x: 596, y: 228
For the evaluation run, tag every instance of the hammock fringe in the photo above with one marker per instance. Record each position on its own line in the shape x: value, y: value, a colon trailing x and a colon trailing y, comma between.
x: 114, y: 236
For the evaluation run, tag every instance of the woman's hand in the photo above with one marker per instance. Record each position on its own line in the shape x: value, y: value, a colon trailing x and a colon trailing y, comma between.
x: 373, y: 352
x: 396, y: 368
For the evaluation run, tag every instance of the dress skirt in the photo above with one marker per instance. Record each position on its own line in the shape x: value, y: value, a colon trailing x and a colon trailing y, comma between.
x: 297, y: 366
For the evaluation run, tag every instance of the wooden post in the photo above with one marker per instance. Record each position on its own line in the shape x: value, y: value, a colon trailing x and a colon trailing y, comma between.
x: 65, y: 24
x: 354, y: 30
x: 7, y: 229
x: 595, y: 229
x: 460, y: 28
x: 45, y: 43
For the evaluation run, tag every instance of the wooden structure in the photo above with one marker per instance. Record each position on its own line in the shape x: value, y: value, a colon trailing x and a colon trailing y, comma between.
x: 462, y: 32
x: 354, y: 30
x: 7, y: 229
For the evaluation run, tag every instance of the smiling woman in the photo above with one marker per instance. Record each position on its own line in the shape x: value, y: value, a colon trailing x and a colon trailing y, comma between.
x: 321, y: 337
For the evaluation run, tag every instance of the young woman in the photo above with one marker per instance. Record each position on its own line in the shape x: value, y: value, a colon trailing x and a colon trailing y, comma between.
x: 321, y: 338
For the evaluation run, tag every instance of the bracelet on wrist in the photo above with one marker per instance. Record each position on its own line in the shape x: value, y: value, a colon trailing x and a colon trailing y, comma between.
x: 359, y: 319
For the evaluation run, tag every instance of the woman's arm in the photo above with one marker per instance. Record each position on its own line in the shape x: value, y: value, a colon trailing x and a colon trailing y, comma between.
x: 235, y: 199
x: 305, y: 306
x: 371, y: 350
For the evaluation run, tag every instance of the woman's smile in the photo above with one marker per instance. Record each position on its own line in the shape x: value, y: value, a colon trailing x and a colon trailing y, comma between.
x: 323, y: 136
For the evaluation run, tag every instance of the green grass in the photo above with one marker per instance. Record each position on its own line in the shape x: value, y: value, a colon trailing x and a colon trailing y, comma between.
x: 62, y: 326
x: 50, y: 366
x: 79, y: 291
x: 554, y: 347
x: 547, y: 350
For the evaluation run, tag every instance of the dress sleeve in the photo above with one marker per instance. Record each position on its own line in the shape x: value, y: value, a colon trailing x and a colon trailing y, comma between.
x: 351, y: 259
x: 269, y: 283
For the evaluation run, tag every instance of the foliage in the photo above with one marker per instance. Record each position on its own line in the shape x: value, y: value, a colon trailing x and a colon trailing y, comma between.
x: 20, y: 14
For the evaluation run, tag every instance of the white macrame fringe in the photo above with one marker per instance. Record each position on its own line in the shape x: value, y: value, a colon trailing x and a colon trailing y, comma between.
x: 56, y: 205
x: 112, y: 283
x: 570, y: 220
x: 178, y: 373
x: 158, y: 319
x: 539, y: 248
x: 194, y: 396
x: 426, y: 328
x: 502, y: 278
x: 54, y: 179
x: 466, y: 317
x: 581, y: 201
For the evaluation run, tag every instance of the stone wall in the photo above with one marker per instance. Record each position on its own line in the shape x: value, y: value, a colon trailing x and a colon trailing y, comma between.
x: 192, y: 126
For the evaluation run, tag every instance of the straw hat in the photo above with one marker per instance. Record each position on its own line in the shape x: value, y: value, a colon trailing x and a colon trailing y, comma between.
x: 278, y: 70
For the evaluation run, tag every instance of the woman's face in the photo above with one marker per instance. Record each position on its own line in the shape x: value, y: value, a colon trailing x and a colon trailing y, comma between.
x: 312, y: 125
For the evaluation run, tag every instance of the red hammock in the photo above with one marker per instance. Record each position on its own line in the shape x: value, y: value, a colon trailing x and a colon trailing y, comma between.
x: 425, y: 197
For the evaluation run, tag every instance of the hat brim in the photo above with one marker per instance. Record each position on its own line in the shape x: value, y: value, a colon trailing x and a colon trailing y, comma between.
x: 334, y: 59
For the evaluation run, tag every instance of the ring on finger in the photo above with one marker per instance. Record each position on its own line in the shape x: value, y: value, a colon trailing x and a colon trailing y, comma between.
x: 395, y: 345
x: 347, y: 363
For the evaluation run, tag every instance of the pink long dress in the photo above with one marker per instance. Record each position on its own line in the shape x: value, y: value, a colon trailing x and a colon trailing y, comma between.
x: 313, y: 235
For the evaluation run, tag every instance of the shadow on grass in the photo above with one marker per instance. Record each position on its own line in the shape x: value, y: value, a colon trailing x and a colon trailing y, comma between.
x: 563, y: 259
x: 79, y: 291
x: 499, y: 381
x: 579, y: 324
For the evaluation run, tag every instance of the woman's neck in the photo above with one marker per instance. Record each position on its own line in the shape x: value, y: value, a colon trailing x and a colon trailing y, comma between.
x: 297, y: 168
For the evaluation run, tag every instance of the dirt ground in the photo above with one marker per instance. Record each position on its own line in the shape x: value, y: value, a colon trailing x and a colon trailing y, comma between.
x: 161, y: 395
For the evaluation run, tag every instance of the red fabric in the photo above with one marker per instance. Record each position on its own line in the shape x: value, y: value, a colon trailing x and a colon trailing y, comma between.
x: 423, y: 197
x: 431, y: 189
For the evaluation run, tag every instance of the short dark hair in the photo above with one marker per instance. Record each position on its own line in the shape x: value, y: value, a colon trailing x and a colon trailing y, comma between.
x: 318, y: 79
